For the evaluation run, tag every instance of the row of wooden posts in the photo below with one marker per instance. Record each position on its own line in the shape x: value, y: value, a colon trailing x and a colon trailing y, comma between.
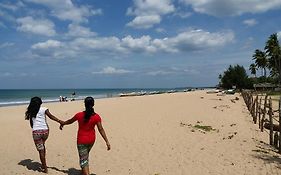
x: 261, y: 109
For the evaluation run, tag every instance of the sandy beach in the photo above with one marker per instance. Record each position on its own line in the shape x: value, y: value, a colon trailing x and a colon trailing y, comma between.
x: 150, y: 135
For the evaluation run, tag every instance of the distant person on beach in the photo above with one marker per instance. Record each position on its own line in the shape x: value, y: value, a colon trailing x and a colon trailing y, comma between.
x: 73, y: 96
x: 86, y: 136
x: 40, y: 129
x: 60, y: 98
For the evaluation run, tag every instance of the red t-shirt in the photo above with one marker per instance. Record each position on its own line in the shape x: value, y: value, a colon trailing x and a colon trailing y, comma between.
x: 86, y: 132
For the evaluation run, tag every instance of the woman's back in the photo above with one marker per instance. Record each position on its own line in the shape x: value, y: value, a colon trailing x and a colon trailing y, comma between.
x: 86, y: 131
x: 39, y: 122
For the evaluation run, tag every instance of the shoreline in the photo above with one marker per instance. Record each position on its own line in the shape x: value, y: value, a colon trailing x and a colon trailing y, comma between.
x: 101, y: 96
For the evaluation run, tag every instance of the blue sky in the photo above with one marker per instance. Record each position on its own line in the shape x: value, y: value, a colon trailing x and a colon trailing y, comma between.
x: 129, y: 43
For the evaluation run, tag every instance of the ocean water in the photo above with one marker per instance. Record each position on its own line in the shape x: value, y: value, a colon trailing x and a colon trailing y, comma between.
x: 22, y: 96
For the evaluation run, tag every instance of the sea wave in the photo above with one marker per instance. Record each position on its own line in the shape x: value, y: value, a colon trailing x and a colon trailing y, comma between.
x: 50, y: 100
x: 22, y: 96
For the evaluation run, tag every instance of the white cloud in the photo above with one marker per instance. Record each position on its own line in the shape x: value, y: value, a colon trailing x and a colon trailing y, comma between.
x: 142, y: 44
x: 84, y: 47
x: 36, y: 26
x: 183, y: 14
x: 66, y: 10
x: 191, y: 71
x: 250, y: 22
x: 159, y: 72
x: 279, y: 35
x: 232, y: 7
x: 160, y: 30
x: 188, y: 41
x: 146, y: 7
x: 173, y: 70
x: 149, y: 12
x: 193, y: 40
x: 73, y: 14
x: 48, y: 44
x: 76, y: 30
x: 144, y: 22
x: 7, y: 44
x: 112, y: 70
x: 12, y: 6
x: 104, y: 45
x: 97, y: 12
x: 50, y: 48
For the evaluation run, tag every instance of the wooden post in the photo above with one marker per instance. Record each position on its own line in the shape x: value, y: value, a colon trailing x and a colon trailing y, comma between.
x: 247, y: 98
x: 259, y: 113
x: 252, y: 105
x: 264, y: 112
x: 249, y: 101
x: 253, y: 108
x: 256, y: 109
x: 276, y: 139
x: 279, y: 125
x: 271, y: 122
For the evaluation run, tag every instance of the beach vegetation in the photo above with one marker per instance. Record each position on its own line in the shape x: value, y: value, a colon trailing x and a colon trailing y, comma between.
x: 253, y: 69
x: 204, y: 128
x: 260, y: 61
x: 273, y: 51
x: 267, y: 60
x: 235, y: 76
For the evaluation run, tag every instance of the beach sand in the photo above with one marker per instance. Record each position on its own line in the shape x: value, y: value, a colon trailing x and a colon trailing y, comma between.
x: 149, y: 135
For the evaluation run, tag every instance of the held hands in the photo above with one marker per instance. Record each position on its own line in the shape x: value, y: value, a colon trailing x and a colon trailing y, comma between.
x: 62, y: 123
x: 61, y: 126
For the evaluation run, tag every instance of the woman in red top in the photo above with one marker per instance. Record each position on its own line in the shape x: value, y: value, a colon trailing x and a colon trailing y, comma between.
x: 86, y: 136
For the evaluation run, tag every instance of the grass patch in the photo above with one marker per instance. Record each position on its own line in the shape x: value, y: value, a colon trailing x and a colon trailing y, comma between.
x: 204, y: 128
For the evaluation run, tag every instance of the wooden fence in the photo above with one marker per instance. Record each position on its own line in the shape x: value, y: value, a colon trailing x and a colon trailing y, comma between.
x: 261, y: 109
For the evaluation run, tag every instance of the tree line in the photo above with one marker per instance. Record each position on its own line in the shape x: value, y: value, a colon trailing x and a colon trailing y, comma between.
x: 267, y: 61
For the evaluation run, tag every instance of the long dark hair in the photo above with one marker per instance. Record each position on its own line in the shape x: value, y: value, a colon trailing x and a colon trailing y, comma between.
x: 89, y: 110
x: 33, y: 109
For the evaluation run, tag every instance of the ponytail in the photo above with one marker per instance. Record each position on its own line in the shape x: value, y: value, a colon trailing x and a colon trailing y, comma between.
x: 89, y: 110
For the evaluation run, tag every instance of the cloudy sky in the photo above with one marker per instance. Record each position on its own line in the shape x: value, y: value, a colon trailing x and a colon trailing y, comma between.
x: 129, y: 43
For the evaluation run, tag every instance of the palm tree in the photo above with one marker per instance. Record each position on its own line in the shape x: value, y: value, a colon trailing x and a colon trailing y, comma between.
x: 260, y: 60
x: 253, y: 69
x: 273, y: 51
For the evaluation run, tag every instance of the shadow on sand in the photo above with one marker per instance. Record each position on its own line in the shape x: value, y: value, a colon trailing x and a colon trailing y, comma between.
x: 30, y: 165
x: 35, y: 166
x: 267, y: 153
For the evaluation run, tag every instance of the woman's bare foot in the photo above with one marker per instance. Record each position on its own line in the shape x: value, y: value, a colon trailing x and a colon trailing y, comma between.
x: 44, y: 169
